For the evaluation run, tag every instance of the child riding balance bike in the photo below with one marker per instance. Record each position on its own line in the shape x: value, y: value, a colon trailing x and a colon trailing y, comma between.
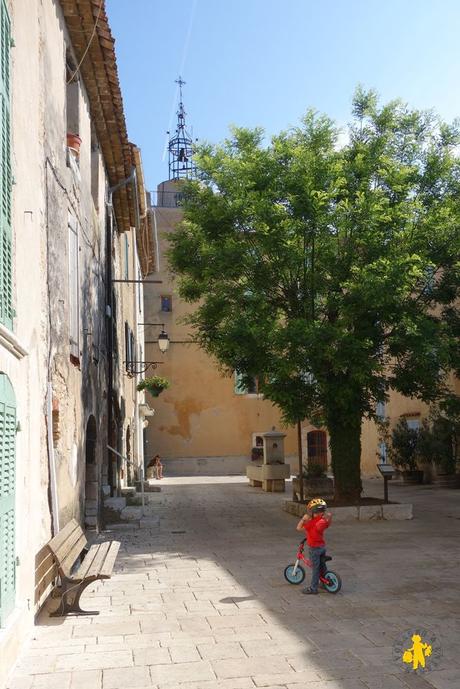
x: 314, y: 523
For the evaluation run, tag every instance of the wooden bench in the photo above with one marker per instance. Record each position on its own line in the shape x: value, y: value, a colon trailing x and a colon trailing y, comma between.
x: 79, y: 566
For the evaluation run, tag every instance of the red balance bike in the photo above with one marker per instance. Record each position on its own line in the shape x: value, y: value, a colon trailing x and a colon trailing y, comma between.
x: 295, y: 573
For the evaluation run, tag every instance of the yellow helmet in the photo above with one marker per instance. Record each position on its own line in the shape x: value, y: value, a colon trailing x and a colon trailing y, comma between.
x: 316, y: 505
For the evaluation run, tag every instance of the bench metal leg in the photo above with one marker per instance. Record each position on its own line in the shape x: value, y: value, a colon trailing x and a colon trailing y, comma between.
x: 70, y: 598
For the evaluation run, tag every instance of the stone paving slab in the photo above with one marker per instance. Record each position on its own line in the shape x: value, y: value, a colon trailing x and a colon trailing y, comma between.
x: 210, y: 609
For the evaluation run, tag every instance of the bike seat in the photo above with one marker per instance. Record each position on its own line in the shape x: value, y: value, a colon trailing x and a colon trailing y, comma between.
x: 327, y: 558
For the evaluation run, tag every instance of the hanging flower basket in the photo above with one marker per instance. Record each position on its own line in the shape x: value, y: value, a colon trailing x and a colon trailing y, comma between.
x: 154, y: 385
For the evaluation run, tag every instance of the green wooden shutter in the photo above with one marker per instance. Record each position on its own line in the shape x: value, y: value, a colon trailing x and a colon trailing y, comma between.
x: 6, y: 268
x: 7, y: 497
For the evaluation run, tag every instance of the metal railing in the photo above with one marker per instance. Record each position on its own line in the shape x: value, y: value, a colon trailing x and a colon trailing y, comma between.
x: 166, y: 199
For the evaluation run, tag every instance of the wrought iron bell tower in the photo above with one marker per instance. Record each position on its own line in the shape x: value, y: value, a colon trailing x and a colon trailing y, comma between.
x: 181, y: 164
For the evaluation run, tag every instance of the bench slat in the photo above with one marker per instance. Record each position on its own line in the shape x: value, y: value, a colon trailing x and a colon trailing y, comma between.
x: 63, y: 535
x: 92, y: 563
x: 71, y: 557
x: 64, y: 550
x: 98, y: 561
x: 109, y: 562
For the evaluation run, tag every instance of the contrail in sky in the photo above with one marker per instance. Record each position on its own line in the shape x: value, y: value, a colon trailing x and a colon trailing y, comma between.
x: 181, y: 70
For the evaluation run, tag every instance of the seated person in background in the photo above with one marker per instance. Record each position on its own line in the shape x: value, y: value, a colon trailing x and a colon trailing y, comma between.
x: 157, y: 465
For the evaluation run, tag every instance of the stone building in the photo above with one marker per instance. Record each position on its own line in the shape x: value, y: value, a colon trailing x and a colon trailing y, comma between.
x: 74, y: 236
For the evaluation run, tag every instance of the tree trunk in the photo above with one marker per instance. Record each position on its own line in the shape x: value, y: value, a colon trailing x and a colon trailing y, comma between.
x: 345, y: 442
x: 299, y: 449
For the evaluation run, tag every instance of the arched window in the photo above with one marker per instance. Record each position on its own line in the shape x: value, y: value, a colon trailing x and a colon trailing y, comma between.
x: 7, y: 497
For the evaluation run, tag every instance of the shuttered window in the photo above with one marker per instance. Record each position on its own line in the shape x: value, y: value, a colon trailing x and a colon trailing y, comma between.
x: 7, y: 495
x: 6, y: 267
x: 130, y: 349
x: 74, y: 296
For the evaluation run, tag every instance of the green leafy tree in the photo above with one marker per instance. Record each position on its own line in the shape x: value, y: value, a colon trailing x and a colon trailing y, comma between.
x: 329, y: 272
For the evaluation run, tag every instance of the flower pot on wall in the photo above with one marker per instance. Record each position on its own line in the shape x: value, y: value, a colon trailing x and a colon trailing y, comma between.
x: 74, y: 143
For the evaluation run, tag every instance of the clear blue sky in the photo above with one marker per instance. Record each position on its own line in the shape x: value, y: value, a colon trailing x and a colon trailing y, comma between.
x: 263, y: 62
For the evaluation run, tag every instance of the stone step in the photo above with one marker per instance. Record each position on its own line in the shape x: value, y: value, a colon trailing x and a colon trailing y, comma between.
x: 122, y: 526
x: 148, y: 487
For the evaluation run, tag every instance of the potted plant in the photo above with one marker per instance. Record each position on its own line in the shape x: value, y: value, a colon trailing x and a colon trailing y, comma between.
x: 315, y: 481
x: 154, y: 385
x: 74, y: 143
x: 403, y: 451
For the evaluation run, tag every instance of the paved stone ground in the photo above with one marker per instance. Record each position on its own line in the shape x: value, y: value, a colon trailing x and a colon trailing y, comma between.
x: 198, y: 600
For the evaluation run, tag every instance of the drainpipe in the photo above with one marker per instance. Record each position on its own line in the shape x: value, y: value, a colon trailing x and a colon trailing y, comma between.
x: 52, y: 462
x: 109, y: 239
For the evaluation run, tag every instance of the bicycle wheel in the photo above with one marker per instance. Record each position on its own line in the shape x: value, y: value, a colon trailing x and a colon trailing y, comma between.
x: 294, y: 578
x: 334, y: 583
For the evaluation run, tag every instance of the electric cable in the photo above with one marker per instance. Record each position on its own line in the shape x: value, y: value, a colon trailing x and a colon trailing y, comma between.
x: 89, y: 42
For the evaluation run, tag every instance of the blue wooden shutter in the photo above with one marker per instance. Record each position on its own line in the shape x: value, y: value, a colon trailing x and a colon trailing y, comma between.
x: 6, y: 268
x: 7, y: 497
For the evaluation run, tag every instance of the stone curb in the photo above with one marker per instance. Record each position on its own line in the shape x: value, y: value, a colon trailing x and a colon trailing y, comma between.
x: 394, y: 511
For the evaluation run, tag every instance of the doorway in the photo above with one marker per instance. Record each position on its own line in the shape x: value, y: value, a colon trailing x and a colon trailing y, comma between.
x: 91, y: 480
x: 317, y: 448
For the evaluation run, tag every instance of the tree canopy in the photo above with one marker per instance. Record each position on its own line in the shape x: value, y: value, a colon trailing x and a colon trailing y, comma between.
x: 329, y: 271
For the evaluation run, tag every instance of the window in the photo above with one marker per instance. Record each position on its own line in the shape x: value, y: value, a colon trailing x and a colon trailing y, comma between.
x: 317, y: 448
x: 242, y: 388
x: 130, y: 350
x: 413, y: 423
x: 380, y: 410
x: 74, y: 291
x: 6, y: 264
x: 7, y: 497
x: 166, y: 302
x: 95, y: 165
x: 383, y: 453
x: 72, y: 96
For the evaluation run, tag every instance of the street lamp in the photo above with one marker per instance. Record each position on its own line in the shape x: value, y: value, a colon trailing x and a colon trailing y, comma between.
x: 163, y: 341
x: 163, y: 337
